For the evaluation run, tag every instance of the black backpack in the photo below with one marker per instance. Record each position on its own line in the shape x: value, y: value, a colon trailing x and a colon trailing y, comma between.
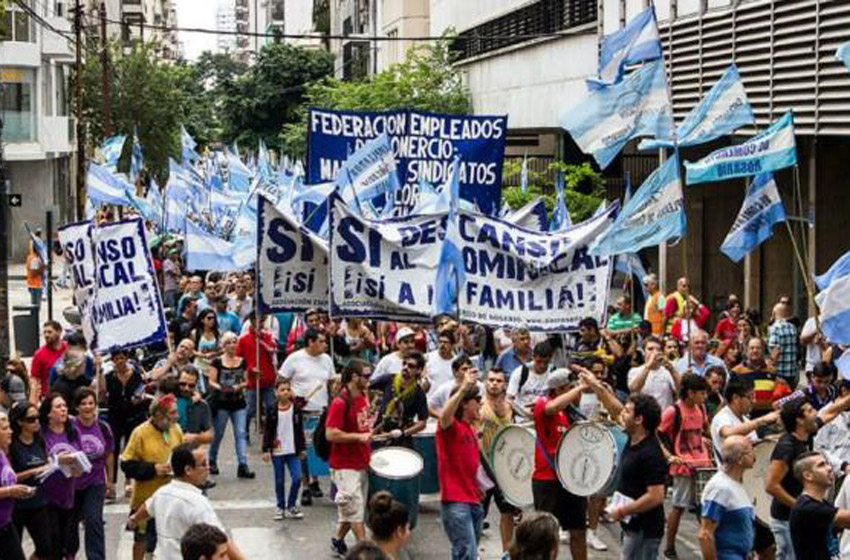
x: 321, y: 445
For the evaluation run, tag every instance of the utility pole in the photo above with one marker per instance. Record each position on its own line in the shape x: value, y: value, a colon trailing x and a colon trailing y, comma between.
x: 5, y: 346
x: 104, y: 64
x: 81, y: 129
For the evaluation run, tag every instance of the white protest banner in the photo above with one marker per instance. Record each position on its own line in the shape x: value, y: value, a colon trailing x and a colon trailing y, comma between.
x: 546, y: 281
x: 292, y: 260
x: 75, y: 240
x: 514, y: 276
x: 113, y: 273
x: 382, y: 268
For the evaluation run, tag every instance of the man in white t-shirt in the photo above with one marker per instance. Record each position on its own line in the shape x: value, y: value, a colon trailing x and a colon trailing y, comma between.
x: 438, y: 368
x: 439, y: 396
x: 310, y: 369
x: 524, y: 388
x: 657, y: 377
x: 393, y: 362
x: 732, y: 419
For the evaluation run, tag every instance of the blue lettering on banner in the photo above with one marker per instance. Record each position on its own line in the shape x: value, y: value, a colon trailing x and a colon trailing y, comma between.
x: 424, y: 145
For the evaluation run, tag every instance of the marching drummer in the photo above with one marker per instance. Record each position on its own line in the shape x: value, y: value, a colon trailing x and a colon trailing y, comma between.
x: 550, y: 423
x: 403, y: 410
x: 496, y: 413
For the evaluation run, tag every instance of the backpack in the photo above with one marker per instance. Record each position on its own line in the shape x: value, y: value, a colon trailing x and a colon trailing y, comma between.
x: 321, y: 445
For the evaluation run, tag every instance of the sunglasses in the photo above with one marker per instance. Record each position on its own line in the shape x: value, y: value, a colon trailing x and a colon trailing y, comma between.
x: 412, y: 365
x: 187, y: 385
x: 30, y: 419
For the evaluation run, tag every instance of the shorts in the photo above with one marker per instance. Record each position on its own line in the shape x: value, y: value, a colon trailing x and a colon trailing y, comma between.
x: 683, y: 492
x: 145, y: 532
x: 352, y: 488
x: 570, y: 510
x: 502, y: 504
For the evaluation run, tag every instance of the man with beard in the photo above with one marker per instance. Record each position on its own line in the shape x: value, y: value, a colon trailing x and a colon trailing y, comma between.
x: 403, y: 409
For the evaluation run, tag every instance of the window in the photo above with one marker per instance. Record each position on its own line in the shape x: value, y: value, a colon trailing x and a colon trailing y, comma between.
x: 61, y: 92
x: 17, y: 104
x: 46, y: 89
x: 17, y: 25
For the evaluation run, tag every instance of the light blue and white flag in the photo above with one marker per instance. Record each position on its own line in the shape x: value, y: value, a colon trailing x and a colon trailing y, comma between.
x: 839, y: 269
x: 111, y: 150
x: 238, y: 174
x: 631, y: 265
x: 834, y: 305
x: 148, y: 212
x: 187, y: 147
x: 723, y: 110
x: 105, y: 187
x: 264, y: 165
x: 843, y: 54
x: 771, y: 150
x: 560, y: 215
x: 523, y: 173
x: 636, y: 42
x: 136, y: 158
x: 451, y: 273
x: 532, y: 216
x: 762, y: 209
x: 608, y: 118
x: 37, y: 245
x: 654, y: 214
x: 205, y: 251
x: 367, y: 174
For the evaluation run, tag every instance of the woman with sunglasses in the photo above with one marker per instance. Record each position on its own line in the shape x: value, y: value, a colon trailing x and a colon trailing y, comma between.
x: 91, y: 488
x: 29, y: 458
x: 10, y: 492
x: 62, y: 442
x: 207, y: 339
x: 228, y: 384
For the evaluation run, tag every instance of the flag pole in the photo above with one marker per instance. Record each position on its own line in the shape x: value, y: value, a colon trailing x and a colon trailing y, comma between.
x: 257, y: 336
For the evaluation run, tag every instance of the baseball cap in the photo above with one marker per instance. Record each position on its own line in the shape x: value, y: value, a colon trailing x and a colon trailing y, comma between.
x: 404, y: 332
x: 558, y: 378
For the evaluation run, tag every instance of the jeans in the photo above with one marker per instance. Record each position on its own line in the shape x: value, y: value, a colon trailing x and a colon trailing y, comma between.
x: 238, y: 419
x: 35, y: 296
x: 88, y: 508
x: 782, y: 534
x: 280, y: 464
x: 266, y: 395
x: 634, y: 546
x: 462, y: 524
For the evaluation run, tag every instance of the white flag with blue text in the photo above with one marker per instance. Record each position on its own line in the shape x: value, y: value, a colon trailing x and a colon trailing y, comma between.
x: 608, y: 118
x: 368, y: 173
x: 654, y: 214
x: 772, y: 150
x: 762, y: 209
x: 636, y: 42
x: 723, y: 110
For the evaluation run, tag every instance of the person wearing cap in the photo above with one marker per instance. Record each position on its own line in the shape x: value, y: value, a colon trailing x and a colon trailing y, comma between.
x: 550, y: 424
x: 393, y: 362
x: 228, y: 321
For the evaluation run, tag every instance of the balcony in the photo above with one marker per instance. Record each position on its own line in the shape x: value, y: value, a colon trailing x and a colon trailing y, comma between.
x: 56, y: 135
x: 54, y: 45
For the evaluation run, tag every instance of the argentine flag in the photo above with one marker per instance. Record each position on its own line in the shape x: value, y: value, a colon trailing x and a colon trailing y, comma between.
x: 655, y: 213
x: 187, y: 147
x: 843, y: 54
x: 762, y: 209
x: 136, y: 158
x: 205, y: 251
x: 839, y: 268
x: 105, y: 187
x: 636, y: 42
x: 723, y: 110
x: 560, y: 216
x: 609, y: 117
x: 834, y: 305
x: 111, y: 150
x: 451, y: 273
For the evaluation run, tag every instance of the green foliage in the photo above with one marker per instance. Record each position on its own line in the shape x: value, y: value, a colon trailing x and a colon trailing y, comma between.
x: 581, y: 205
x: 258, y: 103
x: 426, y: 80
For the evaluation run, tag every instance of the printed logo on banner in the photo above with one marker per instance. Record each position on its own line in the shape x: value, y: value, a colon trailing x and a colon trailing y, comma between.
x: 293, y: 263
x: 424, y: 145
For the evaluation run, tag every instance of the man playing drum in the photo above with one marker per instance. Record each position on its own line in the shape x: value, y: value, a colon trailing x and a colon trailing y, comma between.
x: 403, y: 409
x: 550, y: 423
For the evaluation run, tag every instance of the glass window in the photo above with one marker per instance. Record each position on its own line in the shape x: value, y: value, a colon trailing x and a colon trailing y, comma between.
x: 17, y: 104
x: 46, y: 89
x: 17, y: 25
x: 61, y: 92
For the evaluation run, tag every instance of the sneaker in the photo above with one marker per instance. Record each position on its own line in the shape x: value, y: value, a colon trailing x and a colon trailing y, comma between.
x: 213, y: 469
x: 671, y: 553
x: 595, y: 542
x: 278, y: 514
x: 244, y: 472
x: 306, y: 499
x: 315, y: 491
x: 339, y: 547
x: 293, y: 513
x: 564, y: 536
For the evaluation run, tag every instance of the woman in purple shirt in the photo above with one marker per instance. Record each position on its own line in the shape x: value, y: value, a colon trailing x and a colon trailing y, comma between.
x: 61, y: 440
x: 10, y: 490
x: 91, y: 488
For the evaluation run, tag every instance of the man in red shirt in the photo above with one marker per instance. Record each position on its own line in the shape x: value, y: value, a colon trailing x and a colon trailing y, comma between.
x: 550, y: 423
x: 458, y: 462
x: 44, y: 358
x: 349, y: 430
x: 247, y: 349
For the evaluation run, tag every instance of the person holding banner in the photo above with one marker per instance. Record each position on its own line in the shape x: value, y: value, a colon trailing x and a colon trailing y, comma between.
x: 550, y: 424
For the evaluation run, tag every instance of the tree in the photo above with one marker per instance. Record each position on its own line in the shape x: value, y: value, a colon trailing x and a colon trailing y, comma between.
x: 426, y: 80
x: 583, y: 187
x: 260, y: 102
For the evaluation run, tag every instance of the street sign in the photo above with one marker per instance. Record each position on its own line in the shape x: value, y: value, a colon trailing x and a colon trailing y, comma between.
x: 15, y: 200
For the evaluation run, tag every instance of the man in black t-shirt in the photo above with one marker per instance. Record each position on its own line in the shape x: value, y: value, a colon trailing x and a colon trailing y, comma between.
x: 643, y: 471
x: 403, y: 409
x: 801, y: 422
x: 813, y: 518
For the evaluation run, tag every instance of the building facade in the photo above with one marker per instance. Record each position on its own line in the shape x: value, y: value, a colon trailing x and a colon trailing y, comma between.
x: 39, y: 132
x: 136, y: 21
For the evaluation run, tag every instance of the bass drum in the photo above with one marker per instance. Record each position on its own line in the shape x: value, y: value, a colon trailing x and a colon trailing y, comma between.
x: 588, y: 458
x: 754, y: 478
x: 512, y: 461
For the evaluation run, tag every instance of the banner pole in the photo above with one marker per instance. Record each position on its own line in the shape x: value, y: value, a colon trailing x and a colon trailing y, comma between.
x: 257, y: 340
